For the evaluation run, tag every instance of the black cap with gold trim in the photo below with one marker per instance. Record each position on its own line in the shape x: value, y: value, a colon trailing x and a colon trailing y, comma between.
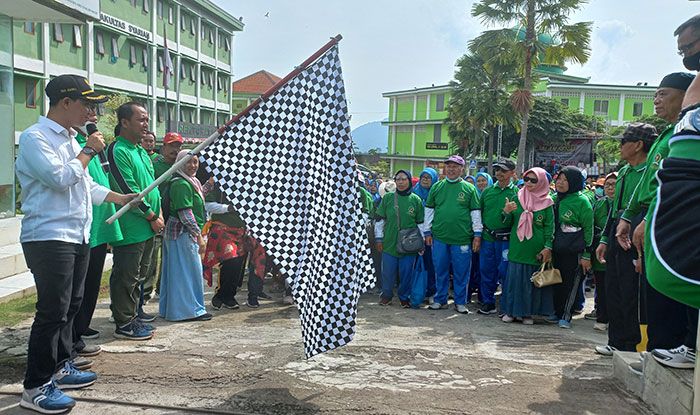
x: 74, y: 87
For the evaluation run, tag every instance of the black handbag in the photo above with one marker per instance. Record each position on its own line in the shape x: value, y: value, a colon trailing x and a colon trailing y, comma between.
x: 409, y: 241
x: 499, y: 235
x: 566, y: 242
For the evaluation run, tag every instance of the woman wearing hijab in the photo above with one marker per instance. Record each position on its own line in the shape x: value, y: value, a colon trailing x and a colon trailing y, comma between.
x: 531, y: 218
x: 483, y: 180
x: 428, y: 177
x: 471, y: 179
x: 410, y: 211
x: 181, y: 288
x: 573, y: 216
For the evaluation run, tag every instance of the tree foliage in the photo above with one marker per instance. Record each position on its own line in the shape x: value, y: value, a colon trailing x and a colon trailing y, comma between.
x: 108, y: 120
x: 563, y: 42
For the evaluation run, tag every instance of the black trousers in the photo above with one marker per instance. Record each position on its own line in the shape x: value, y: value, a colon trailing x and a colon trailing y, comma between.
x: 93, y: 278
x: 59, y: 270
x: 230, y: 277
x: 567, y: 264
x: 601, y: 301
x: 622, y: 296
x: 667, y: 320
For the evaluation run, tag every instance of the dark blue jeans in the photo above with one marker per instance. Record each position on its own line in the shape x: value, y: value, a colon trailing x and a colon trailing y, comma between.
x: 460, y: 257
x: 397, y: 266
x: 59, y: 270
x: 493, y: 268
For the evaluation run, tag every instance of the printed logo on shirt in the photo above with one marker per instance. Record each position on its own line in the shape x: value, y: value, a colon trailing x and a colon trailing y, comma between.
x: 657, y: 160
x: 460, y: 197
x: 568, y: 214
x: 539, y: 219
x: 412, y: 211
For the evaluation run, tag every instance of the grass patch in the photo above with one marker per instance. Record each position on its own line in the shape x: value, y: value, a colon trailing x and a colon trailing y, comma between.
x: 17, y: 310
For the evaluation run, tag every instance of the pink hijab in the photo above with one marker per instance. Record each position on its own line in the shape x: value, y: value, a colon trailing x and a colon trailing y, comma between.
x: 532, y: 201
x: 192, y: 179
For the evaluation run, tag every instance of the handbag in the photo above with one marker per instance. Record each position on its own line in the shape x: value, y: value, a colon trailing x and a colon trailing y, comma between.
x: 409, y: 241
x: 547, y: 275
x: 419, y: 283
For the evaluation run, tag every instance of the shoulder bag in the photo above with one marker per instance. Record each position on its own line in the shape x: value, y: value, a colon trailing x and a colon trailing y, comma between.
x: 409, y: 241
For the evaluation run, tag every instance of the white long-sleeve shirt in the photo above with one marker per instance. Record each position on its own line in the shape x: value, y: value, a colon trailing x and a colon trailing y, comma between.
x: 57, y: 191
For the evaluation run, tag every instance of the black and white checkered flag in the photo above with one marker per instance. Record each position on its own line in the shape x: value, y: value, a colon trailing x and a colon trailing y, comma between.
x: 288, y: 167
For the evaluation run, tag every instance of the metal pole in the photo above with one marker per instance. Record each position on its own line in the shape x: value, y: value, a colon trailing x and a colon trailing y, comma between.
x: 221, y: 130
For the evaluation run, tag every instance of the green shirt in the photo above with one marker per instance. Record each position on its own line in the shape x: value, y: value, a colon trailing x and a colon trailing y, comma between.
x: 453, y: 203
x: 601, y: 210
x: 411, y: 213
x: 367, y: 202
x: 160, y: 166
x: 526, y: 251
x: 576, y: 210
x: 153, y: 156
x: 630, y: 176
x: 590, y: 194
x: 646, y: 191
x: 132, y: 174
x: 184, y: 196
x: 229, y: 218
x: 100, y: 231
x: 492, y: 202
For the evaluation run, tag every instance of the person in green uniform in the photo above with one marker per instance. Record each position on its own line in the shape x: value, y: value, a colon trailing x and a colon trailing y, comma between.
x: 148, y: 142
x: 666, y: 318
x: 494, y: 247
x: 573, y: 236
x: 601, y: 213
x: 410, y: 215
x: 621, y: 280
x: 530, y: 218
x: 172, y: 143
x: 131, y: 171
x: 181, y: 289
x: 101, y: 234
x: 453, y: 217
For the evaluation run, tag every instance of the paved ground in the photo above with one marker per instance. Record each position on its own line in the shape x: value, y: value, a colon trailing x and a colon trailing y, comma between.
x: 401, y: 362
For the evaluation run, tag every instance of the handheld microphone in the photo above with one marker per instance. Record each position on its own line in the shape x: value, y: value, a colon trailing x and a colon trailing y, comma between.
x: 91, y: 129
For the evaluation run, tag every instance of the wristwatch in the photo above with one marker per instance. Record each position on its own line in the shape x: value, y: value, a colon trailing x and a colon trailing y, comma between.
x: 88, y: 151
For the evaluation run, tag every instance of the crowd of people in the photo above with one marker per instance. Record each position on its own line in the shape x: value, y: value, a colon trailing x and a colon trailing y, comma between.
x: 472, y: 234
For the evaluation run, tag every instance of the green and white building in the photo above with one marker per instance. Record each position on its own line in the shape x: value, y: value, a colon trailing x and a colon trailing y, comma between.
x: 418, y: 118
x: 123, y: 52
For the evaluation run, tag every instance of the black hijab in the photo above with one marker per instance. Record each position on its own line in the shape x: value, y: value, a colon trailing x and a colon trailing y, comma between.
x: 575, y: 179
x: 410, y: 183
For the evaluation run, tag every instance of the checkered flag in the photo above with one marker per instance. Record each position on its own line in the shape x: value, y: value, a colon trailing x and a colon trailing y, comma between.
x: 287, y: 165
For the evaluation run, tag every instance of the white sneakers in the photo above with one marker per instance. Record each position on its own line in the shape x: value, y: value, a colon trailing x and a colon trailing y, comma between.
x: 605, y: 350
x: 680, y: 358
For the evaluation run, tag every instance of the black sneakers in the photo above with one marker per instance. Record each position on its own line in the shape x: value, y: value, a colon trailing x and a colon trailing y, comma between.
x: 487, y: 309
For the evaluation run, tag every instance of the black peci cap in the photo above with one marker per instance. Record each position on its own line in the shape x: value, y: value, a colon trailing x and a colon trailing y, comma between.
x: 74, y: 87
x: 506, y: 165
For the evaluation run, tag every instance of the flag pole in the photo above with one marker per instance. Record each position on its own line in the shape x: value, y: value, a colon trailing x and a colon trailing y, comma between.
x: 222, y: 129
x: 166, y: 76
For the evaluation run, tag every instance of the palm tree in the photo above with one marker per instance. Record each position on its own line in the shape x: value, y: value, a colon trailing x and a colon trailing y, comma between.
x: 480, y: 99
x: 569, y: 43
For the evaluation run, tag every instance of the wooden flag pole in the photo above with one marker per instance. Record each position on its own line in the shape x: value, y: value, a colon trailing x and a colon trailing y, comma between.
x: 222, y: 129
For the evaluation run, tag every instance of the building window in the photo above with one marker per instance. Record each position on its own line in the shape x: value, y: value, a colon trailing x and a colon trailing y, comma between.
x: 183, y: 70
x: 183, y: 22
x: 565, y: 102
x: 437, y: 132
x: 637, y: 109
x: 211, y: 79
x: 440, y: 102
x: 144, y: 57
x: 133, y: 3
x: 77, y: 37
x: 160, y: 63
x: 132, y: 55
x: 203, y: 77
x: 100, y: 43
x: 202, y: 32
x: 193, y: 29
x: 192, y: 116
x: 145, y: 6
x: 31, y: 93
x: 57, y: 32
x: 182, y: 114
x: 600, y: 107
x: 211, y: 36
x: 115, y: 48
x: 193, y: 76
x: 227, y: 44
x: 29, y: 27
x: 159, y: 8
x: 219, y: 84
x: 170, y: 14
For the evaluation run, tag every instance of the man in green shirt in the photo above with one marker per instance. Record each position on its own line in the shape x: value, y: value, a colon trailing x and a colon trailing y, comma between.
x: 453, y: 217
x: 621, y: 280
x: 494, y: 247
x: 172, y: 143
x: 131, y: 169
x: 148, y: 142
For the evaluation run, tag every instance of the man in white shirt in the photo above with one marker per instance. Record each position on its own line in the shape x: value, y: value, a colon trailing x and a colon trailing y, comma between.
x: 57, y: 198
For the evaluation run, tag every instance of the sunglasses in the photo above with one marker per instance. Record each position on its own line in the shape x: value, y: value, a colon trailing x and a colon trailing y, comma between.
x: 532, y: 180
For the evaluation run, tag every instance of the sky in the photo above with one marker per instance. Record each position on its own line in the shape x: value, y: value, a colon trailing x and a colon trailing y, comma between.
x: 391, y: 45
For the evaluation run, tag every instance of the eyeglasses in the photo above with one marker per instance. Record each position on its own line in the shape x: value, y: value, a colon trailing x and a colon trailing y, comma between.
x: 683, y: 49
x: 532, y: 180
x: 609, y: 185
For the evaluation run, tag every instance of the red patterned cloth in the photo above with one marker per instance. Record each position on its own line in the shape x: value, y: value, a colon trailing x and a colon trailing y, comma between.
x: 226, y: 242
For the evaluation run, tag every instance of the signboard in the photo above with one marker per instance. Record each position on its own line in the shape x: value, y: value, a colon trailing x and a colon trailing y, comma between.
x: 472, y: 164
x: 567, y: 153
x: 436, y: 146
x: 192, y: 132
x: 87, y: 7
x: 124, y: 26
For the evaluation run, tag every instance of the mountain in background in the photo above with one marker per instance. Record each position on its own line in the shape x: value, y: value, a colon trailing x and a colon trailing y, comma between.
x: 371, y: 135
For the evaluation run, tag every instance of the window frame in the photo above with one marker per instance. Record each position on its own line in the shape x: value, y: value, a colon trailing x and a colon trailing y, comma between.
x: 115, y: 47
x: 193, y: 75
x: 77, y: 36
x: 58, y: 33
x: 29, y: 27
x: 160, y: 63
x: 146, y: 7
x: 565, y: 101
x: 183, y: 22
x: 133, y: 59
x: 144, y: 56
x: 100, y: 43
x: 439, y: 102
x: 635, y: 105
x: 33, y: 83
x: 437, y: 133
x: 159, y: 9
x: 193, y: 27
x: 183, y: 69
x: 599, y: 103
x: 171, y: 14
